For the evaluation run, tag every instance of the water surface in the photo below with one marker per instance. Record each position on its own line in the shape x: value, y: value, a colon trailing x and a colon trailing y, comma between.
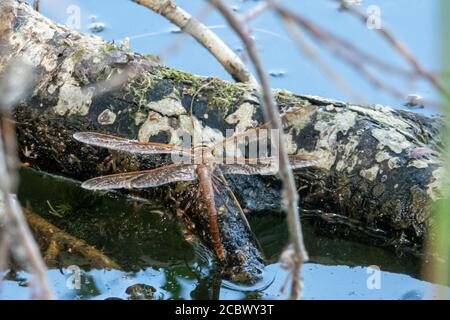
x: 143, y: 237
x: 414, y: 22
x: 147, y: 242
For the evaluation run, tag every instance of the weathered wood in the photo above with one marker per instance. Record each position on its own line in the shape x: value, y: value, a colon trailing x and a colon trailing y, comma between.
x: 377, y: 166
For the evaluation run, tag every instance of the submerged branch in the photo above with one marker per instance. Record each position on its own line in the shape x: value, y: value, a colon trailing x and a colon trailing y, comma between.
x: 57, y: 240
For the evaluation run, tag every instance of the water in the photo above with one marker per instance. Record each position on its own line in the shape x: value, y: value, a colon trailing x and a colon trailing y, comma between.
x: 414, y: 22
x: 147, y: 242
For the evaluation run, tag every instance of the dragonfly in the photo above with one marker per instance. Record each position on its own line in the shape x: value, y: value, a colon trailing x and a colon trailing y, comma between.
x: 199, y: 162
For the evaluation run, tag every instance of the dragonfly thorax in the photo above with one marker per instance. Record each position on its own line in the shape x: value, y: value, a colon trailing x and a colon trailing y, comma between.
x: 203, y: 155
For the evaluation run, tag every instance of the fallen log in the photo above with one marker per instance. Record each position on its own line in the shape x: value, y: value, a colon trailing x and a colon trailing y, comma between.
x: 377, y: 166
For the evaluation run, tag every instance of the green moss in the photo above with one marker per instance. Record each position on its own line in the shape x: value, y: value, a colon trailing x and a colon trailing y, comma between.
x: 220, y: 94
x: 77, y: 55
x: 59, y: 210
x: 153, y: 57
x: 102, y: 76
x: 178, y: 76
x: 140, y: 87
x: 64, y: 42
x: 108, y: 47
x: 422, y: 135
x: 187, y: 83
x: 107, y: 72
x: 223, y: 95
x: 285, y: 98
x: 111, y: 47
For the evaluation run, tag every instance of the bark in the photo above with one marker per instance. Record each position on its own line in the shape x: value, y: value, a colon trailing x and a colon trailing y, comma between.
x: 378, y: 168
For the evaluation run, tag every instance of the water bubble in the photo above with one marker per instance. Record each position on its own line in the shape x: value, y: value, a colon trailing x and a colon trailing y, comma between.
x: 277, y: 73
x: 414, y: 101
x: 412, y: 295
x: 97, y: 27
x: 175, y: 30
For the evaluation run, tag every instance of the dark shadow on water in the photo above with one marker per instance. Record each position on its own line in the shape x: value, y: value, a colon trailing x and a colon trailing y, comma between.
x: 158, y: 262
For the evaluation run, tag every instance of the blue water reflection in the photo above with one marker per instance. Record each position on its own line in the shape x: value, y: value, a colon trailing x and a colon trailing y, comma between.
x: 321, y: 282
x: 414, y: 22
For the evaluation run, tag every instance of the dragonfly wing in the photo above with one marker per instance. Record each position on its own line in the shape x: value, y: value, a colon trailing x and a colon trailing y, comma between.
x: 263, y: 165
x: 254, y: 136
x: 143, y: 179
x: 132, y: 146
x: 248, y: 169
x: 298, y: 161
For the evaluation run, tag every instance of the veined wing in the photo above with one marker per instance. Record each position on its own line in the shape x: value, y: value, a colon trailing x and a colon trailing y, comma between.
x: 248, y: 169
x: 248, y: 166
x: 302, y: 160
x: 132, y: 146
x: 263, y: 165
x: 143, y: 179
x: 250, y: 136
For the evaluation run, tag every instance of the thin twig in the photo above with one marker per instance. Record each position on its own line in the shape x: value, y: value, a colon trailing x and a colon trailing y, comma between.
x: 351, y: 55
x: 189, y: 24
x: 4, y: 247
x: 14, y: 82
x: 328, y: 71
x: 255, y: 11
x: 25, y: 249
x: 290, y: 195
x: 17, y: 228
x: 334, y: 40
x: 36, y: 5
x: 399, y: 47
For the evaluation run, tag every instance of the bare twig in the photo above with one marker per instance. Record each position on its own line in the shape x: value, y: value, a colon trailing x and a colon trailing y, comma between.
x: 4, y: 245
x: 36, y: 5
x: 255, y: 11
x: 333, y: 40
x: 24, y: 247
x: 399, y: 47
x: 290, y: 195
x: 14, y: 81
x: 189, y: 24
x: 327, y: 70
x: 350, y: 54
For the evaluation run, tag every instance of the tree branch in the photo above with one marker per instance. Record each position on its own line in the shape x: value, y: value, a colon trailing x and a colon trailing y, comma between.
x: 208, y: 39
